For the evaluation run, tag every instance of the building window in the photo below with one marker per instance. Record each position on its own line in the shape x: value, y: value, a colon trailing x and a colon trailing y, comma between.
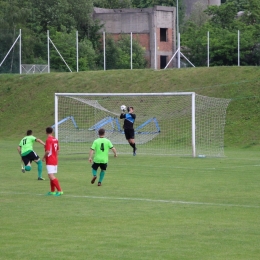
x: 163, y: 62
x: 163, y: 34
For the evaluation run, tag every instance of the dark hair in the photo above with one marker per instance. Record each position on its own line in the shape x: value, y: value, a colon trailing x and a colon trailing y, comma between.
x: 128, y: 108
x: 29, y: 132
x: 101, y: 131
x: 49, y: 130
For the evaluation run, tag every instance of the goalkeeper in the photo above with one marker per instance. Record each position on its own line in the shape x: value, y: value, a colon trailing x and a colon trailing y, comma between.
x: 129, y: 127
x: 25, y: 149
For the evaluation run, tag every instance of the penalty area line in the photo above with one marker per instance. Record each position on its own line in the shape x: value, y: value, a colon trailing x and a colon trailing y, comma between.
x: 143, y: 200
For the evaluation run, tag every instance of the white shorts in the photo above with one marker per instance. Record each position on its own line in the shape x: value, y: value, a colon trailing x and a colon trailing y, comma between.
x: 52, y: 169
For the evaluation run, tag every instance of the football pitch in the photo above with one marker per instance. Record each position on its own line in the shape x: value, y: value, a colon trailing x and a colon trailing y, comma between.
x: 148, y: 207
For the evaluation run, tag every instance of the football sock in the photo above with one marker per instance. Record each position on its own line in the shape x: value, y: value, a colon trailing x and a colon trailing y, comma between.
x: 39, y: 163
x: 56, y: 184
x: 94, y: 172
x: 133, y: 145
x: 102, y: 175
x: 52, y: 186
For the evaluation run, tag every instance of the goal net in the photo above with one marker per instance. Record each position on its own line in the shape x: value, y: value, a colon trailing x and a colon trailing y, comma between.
x: 181, y: 123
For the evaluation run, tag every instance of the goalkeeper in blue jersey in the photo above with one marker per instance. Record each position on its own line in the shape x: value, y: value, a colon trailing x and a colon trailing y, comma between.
x: 129, y: 127
x: 25, y: 149
x: 100, y: 148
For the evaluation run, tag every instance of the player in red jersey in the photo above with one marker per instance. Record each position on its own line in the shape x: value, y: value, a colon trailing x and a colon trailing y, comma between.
x: 51, y: 158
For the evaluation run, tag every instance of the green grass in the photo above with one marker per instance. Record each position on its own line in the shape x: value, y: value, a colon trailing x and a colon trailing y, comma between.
x: 147, y: 208
x: 28, y: 100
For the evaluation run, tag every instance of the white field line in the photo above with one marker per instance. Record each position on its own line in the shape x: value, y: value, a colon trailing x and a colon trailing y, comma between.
x: 192, y: 168
x: 238, y: 166
x: 141, y: 199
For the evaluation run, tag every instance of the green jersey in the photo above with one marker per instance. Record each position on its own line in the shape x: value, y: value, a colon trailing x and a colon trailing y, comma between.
x: 101, y: 146
x: 27, y: 144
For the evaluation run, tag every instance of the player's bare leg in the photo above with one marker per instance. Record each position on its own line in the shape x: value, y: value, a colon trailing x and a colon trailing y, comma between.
x: 22, y: 166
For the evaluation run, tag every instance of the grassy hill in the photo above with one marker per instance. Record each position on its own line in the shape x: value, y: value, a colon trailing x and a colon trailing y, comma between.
x: 27, y: 101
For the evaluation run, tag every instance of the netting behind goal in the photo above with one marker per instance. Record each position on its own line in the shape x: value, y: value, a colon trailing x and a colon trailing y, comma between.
x: 166, y: 123
x: 34, y: 68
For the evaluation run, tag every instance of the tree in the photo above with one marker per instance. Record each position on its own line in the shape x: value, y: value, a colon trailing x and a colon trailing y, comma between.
x: 251, y: 15
x: 222, y: 16
x: 138, y: 59
x: 12, y: 17
x: 112, y: 54
x: 13, y: 14
x: 112, y: 4
x: 52, y: 14
x: 65, y: 43
x: 81, y: 11
x: 62, y: 18
x: 118, y: 54
x: 198, y: 15
x: 223, y: 27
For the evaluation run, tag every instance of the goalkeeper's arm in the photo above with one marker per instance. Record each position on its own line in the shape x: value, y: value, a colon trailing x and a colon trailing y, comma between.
x: 122, y: 115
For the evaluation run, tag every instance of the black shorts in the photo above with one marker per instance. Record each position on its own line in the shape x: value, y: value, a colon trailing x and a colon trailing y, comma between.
x: 103, y: 166
x: 32, y: 156
x: 129, y: 134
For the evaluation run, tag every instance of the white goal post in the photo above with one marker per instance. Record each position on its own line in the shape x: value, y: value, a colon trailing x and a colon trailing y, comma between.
x: 169, y: 123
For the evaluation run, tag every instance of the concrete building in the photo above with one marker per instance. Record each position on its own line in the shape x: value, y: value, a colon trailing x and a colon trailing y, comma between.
x: 154, y: 28
x: 190, y: 3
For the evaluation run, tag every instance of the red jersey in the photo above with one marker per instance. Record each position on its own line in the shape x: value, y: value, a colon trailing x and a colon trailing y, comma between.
x: 52, y: 145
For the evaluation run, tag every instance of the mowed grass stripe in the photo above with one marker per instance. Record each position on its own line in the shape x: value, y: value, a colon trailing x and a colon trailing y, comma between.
x: 147, y: 208
x: 194, y: 168
x: 139, y: 199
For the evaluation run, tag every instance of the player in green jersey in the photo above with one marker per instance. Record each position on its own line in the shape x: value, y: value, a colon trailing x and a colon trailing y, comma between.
x: 101, y: 147
x: 25, y: 149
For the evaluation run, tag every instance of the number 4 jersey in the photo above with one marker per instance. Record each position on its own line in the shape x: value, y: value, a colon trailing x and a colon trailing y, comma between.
x: 52, y: 145
x: 101, y: 146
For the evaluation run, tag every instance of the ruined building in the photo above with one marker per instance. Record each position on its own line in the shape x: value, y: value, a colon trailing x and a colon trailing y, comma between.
x: 144, y: 24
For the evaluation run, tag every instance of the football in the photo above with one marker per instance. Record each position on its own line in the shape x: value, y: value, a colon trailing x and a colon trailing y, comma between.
x: 123, y: 108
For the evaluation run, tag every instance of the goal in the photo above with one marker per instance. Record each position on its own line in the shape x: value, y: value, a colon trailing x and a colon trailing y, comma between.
x: 175, y: 123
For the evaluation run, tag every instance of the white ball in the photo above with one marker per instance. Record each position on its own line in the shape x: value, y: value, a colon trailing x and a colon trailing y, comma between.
x: 123, y: 107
